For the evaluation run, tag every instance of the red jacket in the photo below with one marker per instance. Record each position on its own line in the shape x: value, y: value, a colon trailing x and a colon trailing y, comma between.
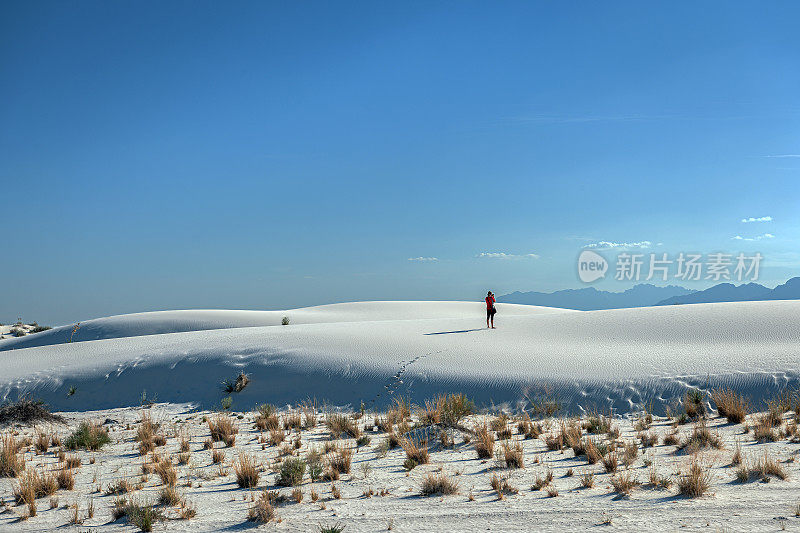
x: 489, y: 302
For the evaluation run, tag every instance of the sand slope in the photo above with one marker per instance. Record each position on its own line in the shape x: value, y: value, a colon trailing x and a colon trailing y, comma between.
x: 618, y: 358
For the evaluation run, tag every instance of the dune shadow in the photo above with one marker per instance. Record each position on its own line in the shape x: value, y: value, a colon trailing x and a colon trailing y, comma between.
x: 449, y: 332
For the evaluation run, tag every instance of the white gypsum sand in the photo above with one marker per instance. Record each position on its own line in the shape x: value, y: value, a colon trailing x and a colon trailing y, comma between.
x: 368, y: 351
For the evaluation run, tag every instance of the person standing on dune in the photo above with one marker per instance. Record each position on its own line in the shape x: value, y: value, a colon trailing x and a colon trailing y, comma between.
x: 490, y: 310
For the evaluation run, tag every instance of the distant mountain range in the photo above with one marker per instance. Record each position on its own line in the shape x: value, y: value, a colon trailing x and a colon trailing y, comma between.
x: 728, y: 292
x: 589, y: 298
x: 645, y: 294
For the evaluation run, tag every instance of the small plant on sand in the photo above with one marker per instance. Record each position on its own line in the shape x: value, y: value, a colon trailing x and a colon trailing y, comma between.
x: 624, y: 482
x: 140, y: 514
x: 25, y: 411
x: 696, y: 482
x: 247, y: 471
x: 455, y: 407
x: 291, y: 472
x: 693, y: 404
x: 730, y: 404
x: 236, y: 385
x: 11, y: 464
x: 587, y: 480
x: 610, y: 462
x: 512, y: 455
x: 439, y: 483
x: 166, y: 471
x: 66, y: 478
x: 542, y: 481
x: 285, y: 321
x: 339, y: 424
x: 484, y: 442
x: 416, y: 452
x: 262, y: 511
x: 340, y: 459
x: 33, y: 485
x: 222, y: 428
x: 502, y: 486
x: 701, y: 437
x: 266, y: 417
x: 89, y: 435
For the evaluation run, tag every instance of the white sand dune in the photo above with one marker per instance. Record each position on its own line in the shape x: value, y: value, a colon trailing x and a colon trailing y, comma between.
x: 348, y: 353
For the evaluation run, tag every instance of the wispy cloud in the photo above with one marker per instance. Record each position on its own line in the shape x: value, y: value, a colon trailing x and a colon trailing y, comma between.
x: 423, y: 259
x: 783, y: 156
x: 756, y: 238
x: 607, y: 245
x: 757, y: 219
x: 503, y: 255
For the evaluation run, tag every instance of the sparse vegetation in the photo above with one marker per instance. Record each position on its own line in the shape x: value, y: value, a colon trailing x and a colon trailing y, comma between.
x: 438, y: 484
x: 247, y: 471
x: 26, y: 412
x: 89, y: 435
x: 696, y: 482
x: 730, y: 404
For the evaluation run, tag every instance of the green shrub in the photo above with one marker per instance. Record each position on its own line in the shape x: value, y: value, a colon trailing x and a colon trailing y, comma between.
x: 291, y: 473
x: 89, y: 435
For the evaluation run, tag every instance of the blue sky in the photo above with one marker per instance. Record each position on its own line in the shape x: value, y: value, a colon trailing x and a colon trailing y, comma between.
x: 164, y: 155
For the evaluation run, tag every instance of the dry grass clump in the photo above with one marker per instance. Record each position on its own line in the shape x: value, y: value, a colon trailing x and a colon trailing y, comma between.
x: 656, y: 480
x: 147, y: 428
x: 339, y: 424
x: 499, y: 423
x: 416, y: 452
x: 630, y: 454
x: 542, y: 481
x: 217, y: 456
x: 262, y: 511
x: 763, y: 430
x: 276, y: 436
x: 247, y: 471
x: 455, y: 407
x: 140, y: 514
x: 611, y: 462
x: 169, y: 495
x: 293, y: 420
x: 223, y: 429
x: 42, y: 441
x: 65, y: 478
x: 730, y: 404
x: 512, y: 455
x: 120, y: 486
x: 484, y: 442
x: 648, y: 439
x: 502, y: 486
x: 166, y: 472
x: 701, y: 437
x: 11, y: 464
x: 593, y: 455
x: 340, y: 459
x: 554, y: 441
x: 671, y: 439
x: 89, y: 435
x: 266, y: 418
x: 765, y: 467
x: 624, y: 482
x: 696, y: 482
x: 33, y: 485
x: 72, y: 461
x: 438, y: 484
x: 587, y: 480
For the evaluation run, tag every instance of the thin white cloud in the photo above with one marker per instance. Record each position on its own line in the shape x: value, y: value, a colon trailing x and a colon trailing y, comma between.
x: 783, y: 156
x: 423, y: 259
x: 607, y: 245
x: 757, y: 219
x: 503, y: 255
x: 756, y: 238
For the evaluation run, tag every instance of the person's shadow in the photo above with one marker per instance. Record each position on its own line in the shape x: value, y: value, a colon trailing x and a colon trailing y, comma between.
x: 449, y: 332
